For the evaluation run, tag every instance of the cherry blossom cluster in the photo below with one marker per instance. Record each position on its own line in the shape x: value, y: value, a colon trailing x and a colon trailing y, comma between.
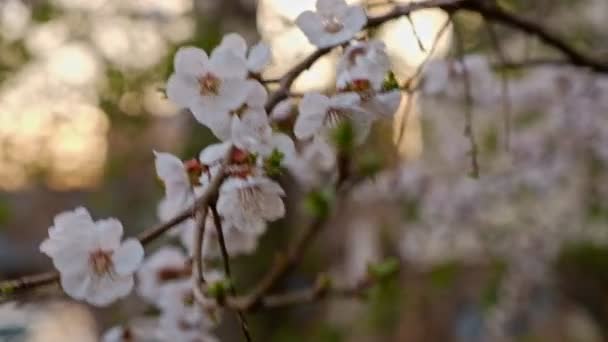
x: 545, y: 192
x: 225, y: 93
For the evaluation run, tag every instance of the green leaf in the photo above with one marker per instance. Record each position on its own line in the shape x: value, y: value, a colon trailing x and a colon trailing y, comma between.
x: 385, y: 269
x: 390, y: 82
x: 443, y: 276
x: 219, y: 289
x: 343, y: 137
x: 318, y: 203
x: 6, y: 290
x: 489, y: 295
x: 272, y: 164
x: 370, y: 163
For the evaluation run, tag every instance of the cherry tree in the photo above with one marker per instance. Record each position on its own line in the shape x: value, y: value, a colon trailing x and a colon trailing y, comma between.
x: 220, y: 203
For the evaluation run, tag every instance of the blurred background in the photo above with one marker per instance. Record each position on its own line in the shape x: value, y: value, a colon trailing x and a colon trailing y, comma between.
x: 517, y: 254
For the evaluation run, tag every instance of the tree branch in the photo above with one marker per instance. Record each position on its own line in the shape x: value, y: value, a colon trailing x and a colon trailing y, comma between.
x: 469, y: 130
x: 226, y: 260
x: 323, y: 288
x: 484, y: 8
x: 481, y: 7
x: 495, y: 13
x: 8, y: 287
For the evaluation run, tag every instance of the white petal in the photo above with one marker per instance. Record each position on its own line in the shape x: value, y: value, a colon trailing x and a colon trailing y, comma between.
x: 79, y: 218
x: 115, y: 334
x: 312, y: 25
x: 214, y: 153
x: 239, y: 214
x: 269, y: 186
x: 252, y: 130
x: 345, y: 100
x: 354, y: 20
x: 233, y: 183
x: 227, y: 64
x: 172, y: 172
x: 313, y: 109
x: 259, y: 57
x: 331, y: 7
x: 233, y: 93
x: 76, y: 285
x: 148, y: 282
x: 257, y: 94
x: 128, y: 257
x: 283, y: 110
x: 108, y: 289
x: 71, y: 260
x: 183, y: 90
x: 285, y: 145
x: 190, y: 60
x: 108, y: 233
x: 233, y: 42
x: 48, y: 247
x: 271, y: 206
x: 219, y: 123
x: 384, y: 104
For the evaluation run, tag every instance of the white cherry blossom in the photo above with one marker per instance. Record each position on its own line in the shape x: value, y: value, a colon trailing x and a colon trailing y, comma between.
x: 172, y: 172
x: 168, y: 264
x: 259, y: 55
x: 182, y: 318
x: 222, y: 123
x: 179, y: 192
x: 208, y: 86
x: 363, y: 65
x: 333, y: 23
x: 248, y: 203
x: 253, y: 133
x: 316, y: 161
x: 283, y: 110
x: 319, y: 114
x: 94, y: 265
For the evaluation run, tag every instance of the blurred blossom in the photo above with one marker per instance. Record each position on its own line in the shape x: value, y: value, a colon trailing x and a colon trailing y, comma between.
x: 49, y: 108
x: 156, y: 103
x: 74, y: 64
x: 128, y: 43
x: 178, y: 30
x: 15, y: 16
x: 44, y: 38
x: 276, y: 24
x: 159, y: 8
x: 84, y: 5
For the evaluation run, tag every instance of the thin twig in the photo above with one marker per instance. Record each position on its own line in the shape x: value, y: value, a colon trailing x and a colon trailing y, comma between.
x: 469, y: 131
x: 484, y: 8
x: 495, y: 13
x: 287, y: 80
x: 442, y: 30
x: 323, y: 288
x: 532, y: 63
x: 199, y: 237
x: 418, y: 40
x: 285, y: 262
x: 226, y: 260
x: 145, y: 237
x: 504, y: 82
